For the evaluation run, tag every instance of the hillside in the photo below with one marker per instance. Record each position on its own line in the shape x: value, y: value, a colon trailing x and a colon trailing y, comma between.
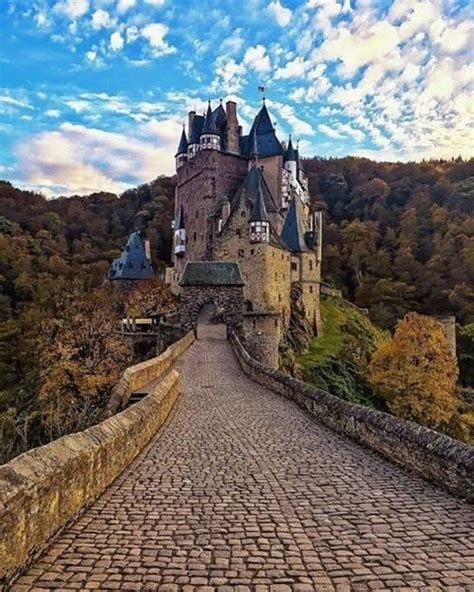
x: 397, y: 237
x: 337, y: 361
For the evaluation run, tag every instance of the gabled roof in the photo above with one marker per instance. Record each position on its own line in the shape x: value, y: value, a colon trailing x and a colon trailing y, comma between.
x: 196, y: 129
x: 211, y: 273
x: 180, y: 219
x: 183, y: 144
x: 209, y: 126
x: 291, y: 153
x: 133, y: 263
x: 267, y: 142
x: 293, y: 231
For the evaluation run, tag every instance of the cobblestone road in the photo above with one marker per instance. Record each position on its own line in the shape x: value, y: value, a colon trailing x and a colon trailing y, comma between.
x: 243, y: 491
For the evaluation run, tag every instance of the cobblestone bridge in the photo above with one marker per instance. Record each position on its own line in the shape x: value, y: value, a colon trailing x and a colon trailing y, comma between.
x: 241, y: 490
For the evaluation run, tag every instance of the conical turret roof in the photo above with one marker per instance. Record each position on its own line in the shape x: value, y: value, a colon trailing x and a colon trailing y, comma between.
x: 290, y: 155
x: 293, y: 231
x: 259, y: 211
x: 183, y: 144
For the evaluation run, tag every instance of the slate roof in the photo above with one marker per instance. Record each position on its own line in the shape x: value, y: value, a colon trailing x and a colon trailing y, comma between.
x: 183, y: 144
x: 211, y: 273
x: 291, y: 154
x: 196, y: 129
x: 209, y: 126
x: 259, y: 211
x: 132, y: 263
x: 293, y: 231
x: 267, y: 141
x: 253, y: 182
x: 220, y: 117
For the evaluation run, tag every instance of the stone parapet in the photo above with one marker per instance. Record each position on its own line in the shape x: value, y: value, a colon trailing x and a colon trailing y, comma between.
x: 138, y: 376
x: 432, y: 455
x: 43, y: 489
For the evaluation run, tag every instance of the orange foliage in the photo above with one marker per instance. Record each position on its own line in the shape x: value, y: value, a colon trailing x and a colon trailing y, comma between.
x: 415, y: 373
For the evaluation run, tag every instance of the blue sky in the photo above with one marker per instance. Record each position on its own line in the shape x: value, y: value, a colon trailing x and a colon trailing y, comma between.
x: 93, y: 93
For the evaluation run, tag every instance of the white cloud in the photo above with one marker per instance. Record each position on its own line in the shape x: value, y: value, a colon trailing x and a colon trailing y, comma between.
x: 124, y: 5
x: 116, y: 41
x: 53, y: 113
x: 78, y: 159
x: 101, y: 19
x: 229, y: 76
x: 91, y: 55
x: 73, y: 8
x: 287, y: 113
x: 293, y: 69
x: 280, y: 13
x: 330, y: 132
x: 155, y: 2
x: 12, y: 102
x: 41, y: 19
x: 256, y: 58
x: 155, y: 33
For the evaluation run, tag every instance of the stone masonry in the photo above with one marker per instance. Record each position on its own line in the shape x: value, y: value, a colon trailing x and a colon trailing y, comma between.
x: 242, y: 490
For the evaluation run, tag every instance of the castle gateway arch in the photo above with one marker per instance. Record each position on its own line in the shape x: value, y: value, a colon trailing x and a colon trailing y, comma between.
x: 211, y: 282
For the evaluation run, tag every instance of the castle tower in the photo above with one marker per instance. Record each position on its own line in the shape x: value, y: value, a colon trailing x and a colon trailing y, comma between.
x: 181, y: 155
x: 210, y: 138
x: 290, y: 163
x: 259, y: 225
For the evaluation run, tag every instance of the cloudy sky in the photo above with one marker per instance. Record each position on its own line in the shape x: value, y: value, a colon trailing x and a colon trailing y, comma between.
x: 93, y: 93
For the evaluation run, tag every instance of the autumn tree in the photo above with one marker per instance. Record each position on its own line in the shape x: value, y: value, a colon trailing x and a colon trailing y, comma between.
x: 81, y: 357
x: 415, y: 373
x: 150, y: 298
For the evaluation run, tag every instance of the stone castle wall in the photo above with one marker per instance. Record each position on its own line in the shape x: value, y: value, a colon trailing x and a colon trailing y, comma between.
x: 204, y: 182
x: 227, y: 298
x: 434, y: 456
x: 43, y: 489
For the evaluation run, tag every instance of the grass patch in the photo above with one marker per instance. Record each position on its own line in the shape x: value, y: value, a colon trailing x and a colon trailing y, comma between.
x: 337, y: 361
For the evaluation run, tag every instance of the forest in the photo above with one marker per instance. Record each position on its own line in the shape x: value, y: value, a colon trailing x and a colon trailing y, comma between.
x: 397, y: 238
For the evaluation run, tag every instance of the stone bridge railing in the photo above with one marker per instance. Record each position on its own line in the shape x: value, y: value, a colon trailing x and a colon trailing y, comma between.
x: 45, y: 488
x: 432, y: 455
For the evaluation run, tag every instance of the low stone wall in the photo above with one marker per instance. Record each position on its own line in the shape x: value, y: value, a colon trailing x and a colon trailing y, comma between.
x: 45, y: 488
x: 434, y: 456
x: 138, y: 376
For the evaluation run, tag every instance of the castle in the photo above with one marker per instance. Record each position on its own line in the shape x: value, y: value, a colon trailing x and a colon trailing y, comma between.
x: 242, y: 203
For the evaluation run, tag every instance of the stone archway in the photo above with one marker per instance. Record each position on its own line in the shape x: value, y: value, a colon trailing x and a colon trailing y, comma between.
x: 211, y: 282
x: 210, y: 323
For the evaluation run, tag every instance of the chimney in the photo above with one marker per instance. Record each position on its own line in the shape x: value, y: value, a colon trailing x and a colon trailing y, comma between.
x: 191, y: 115
x: 148, y: 250
x: 232, y: 128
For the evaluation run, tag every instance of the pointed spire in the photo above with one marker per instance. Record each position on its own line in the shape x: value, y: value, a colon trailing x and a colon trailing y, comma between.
x: 259, y: 211
x: 183, y: 143
x: 290, y: 155
x: 209, y: 126
x: 292, y: 232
